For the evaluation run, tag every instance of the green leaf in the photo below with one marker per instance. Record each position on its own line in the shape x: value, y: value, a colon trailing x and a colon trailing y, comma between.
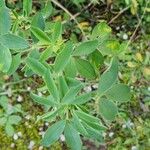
x: 85, y: 69
x: 3, y: 120
x: 63, y: 58
x: 15, y: 26
x: 85, y: 48
x: 97, y: 126
x: 9, y: 129
x: 72, y: 137
x: 96, y: 58
x: 40, y: 35
x: 93, y: 134
x: 16, y: 60
x: 70, y: 69
x: 101, y: 30
x: 78, y: 125
x: 53, y: 133
x: 47, y: 10
x: 72, y: 92
x: 108, y: 109
x: 119, y: 92
x: 72, y: 82
x: 83, y: 98
x: 51, y: 85
x: 38, y: 21
x: 57, y: 31
x: 14, y: 42
x: 42, y: 100
x: 63, y: 87
x: 86, y: 117
x: 27, y: 7
x: 5, y: 20
x: 47, y: 53
x: 111, y: 47
x: 108, y: 78
x: 36, y: 66
x: 49, y: 116
x: 5, y: 58
x: 14, y: 119
x: 4, y: 102
x: 2, y: 3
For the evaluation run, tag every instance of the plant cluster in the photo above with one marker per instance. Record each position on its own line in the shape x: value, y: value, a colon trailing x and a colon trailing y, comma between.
x: 8, y: 115
x: 35, y: 45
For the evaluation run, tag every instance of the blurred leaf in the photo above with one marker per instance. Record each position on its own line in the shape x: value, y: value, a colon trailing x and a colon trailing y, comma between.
x: 83, y: 98
x: 108, y: 109
x: 108, y: 78
x: 70, y: 69
x: 101, y: 30
x: 49, y: 116
x: 14, y: 119
x: 4, y: 102
x: 47, y: 10
x: 2, y: 3
x: 16, y: 60
x: 51, y: 85
x: 56, y: 32
x: 63, y: 57
x: 36, y: 66
x: 119, y: 92
x: 38, y: 21
x: 47, y: 53
x: 53, y: 132
x: 40, y: 35
x: 9, y: 129
x: 96, y: 58
x: 85, y: 48
x: 42, y: 100
x: 3, y: 120
x: 5, y: 20
x: 85, y: 69
x: 27, y: 7
x: 72, y: 137
x: 86, y: 117
x: 5, y: 58
x: 72, y: 92
x: 78, y: 125
x: 14, y: 42
x: 112, y: 47
x: 134, y: 7
x: 93, y: 134
x: 63, y: 87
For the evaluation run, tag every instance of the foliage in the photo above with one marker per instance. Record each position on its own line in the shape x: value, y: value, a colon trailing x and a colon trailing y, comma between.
x: 8, y: 116
x: 35, y: 44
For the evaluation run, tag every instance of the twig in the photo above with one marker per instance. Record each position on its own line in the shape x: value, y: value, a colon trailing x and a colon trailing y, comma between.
x: 15, y: 82
x: 121, y: 12
x: 77, y: 14
x: 14, y: 91
x: 72, y: 16
x: 138, y: 25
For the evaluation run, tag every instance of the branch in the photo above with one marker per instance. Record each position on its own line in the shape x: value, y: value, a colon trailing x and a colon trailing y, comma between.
x: 72, y: 16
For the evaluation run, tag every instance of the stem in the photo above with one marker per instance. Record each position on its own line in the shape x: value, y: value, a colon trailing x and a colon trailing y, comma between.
x: 69, y: 13
x: 14, y: 91
x: 121, y: 12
